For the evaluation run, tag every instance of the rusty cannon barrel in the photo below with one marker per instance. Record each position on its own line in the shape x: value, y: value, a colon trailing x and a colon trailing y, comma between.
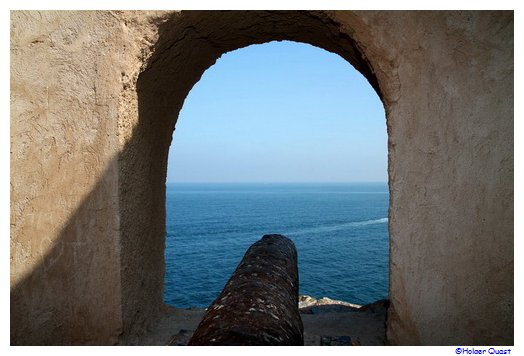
x: 259, y: 304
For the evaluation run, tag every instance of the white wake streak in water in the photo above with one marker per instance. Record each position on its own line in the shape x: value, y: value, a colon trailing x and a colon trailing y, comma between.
x: 320, y: 229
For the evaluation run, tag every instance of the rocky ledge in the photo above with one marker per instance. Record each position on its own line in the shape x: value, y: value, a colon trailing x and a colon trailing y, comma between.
x: 329, y: 322
x: 305, y: 302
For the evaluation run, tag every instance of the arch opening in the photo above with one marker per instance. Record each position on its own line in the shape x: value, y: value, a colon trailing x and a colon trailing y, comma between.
x: 247, y: 163
x: 184, y: 50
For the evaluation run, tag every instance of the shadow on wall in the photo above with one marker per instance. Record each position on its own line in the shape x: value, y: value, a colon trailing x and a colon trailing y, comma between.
x: 96, y: 284
x: 72, y: 296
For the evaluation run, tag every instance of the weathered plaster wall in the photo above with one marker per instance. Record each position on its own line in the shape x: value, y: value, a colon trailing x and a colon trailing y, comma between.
x: 65, y: 274
x: 451, y: 175
x: 70, y: 84
x: 94, y: 100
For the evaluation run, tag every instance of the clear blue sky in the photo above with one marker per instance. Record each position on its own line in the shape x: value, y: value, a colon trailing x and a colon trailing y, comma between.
x: 280, y: 112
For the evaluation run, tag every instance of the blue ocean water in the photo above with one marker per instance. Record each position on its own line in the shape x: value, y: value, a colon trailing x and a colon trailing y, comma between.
x: 340, y: 232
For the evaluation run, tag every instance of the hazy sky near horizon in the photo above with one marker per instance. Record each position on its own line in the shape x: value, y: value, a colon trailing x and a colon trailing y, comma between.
x: 280, y: 112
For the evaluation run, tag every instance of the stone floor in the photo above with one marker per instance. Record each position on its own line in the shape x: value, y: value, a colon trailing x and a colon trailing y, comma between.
x: 324, y: 325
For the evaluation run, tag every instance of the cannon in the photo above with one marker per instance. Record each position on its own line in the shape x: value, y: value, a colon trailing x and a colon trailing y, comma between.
x: 259, y: 303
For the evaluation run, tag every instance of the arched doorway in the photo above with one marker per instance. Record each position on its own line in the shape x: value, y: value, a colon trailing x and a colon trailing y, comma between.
x: 188, y: 44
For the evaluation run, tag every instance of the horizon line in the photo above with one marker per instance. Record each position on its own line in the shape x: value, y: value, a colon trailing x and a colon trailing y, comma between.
x: 277, y: 182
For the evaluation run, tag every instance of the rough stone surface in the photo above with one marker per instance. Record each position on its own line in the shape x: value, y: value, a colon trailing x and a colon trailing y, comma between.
x: 95, y: 98
x: 65, y: 264
x: 259, y: 304
x: 306, y: 301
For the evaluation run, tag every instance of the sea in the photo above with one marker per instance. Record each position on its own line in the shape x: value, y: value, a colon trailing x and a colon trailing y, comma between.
x: 340, y: 231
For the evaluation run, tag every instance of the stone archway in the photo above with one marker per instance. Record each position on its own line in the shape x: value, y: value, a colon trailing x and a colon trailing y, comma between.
x: 187, y: 45
x: 95, y: 96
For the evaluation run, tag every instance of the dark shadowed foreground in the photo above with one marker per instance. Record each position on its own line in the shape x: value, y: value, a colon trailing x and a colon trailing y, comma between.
x: 324, y: 324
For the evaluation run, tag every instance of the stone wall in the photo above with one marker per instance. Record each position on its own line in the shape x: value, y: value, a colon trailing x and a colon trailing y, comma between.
x: 451, y: 176
x: 65, y: 264
x: 94, y: 101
